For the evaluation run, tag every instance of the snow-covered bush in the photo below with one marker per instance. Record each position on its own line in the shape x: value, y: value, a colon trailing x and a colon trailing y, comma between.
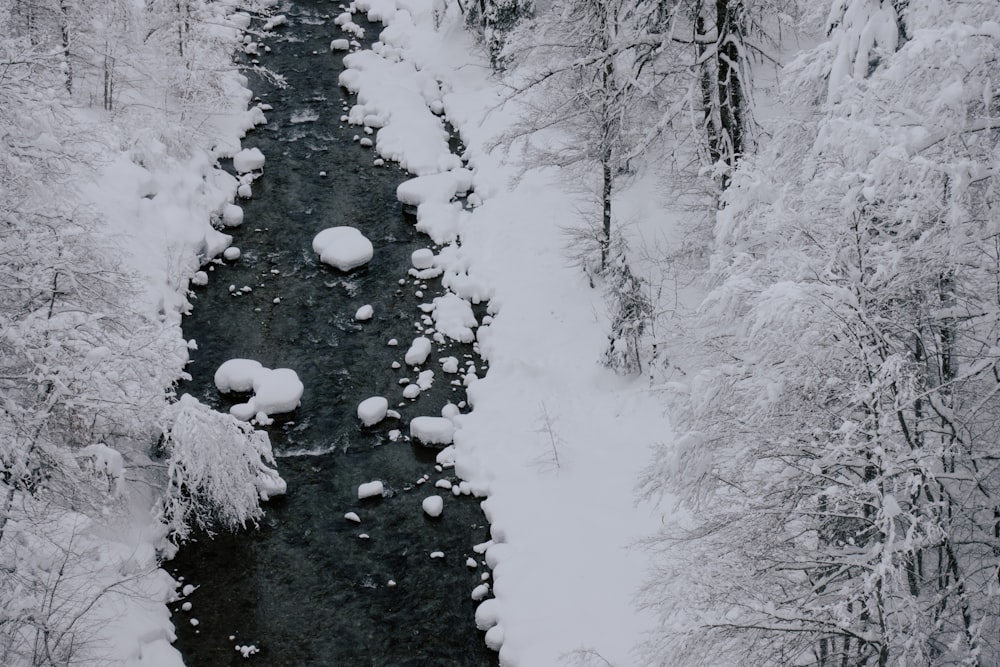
x: 218, y: 470
x: 838, y: 455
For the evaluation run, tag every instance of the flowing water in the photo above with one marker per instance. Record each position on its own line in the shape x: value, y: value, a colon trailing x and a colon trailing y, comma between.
x: 305, y: 588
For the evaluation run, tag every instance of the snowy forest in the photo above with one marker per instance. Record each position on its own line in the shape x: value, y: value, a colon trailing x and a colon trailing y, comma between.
x: 786, y: 207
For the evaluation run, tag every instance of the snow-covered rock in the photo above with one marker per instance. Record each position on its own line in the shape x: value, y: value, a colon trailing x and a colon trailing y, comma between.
x: 373, y: 410
x: 364, y: 313
x: 232, y: 215
x: 370, y: 490
x: 454, y: 318
x: 340, y: 45
x: 343, y: 247
x: 432, y: 430
x: 419, y: 350
x: 433, y: 506
x: 422, y: 259
x: 275, y: 390
x: 441, y: 187
x: 247, y: 160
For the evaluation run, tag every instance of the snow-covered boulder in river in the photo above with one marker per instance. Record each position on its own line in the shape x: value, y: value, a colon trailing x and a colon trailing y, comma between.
x: 275, y: 390
x: 432, y: 430
x: 343, y: 247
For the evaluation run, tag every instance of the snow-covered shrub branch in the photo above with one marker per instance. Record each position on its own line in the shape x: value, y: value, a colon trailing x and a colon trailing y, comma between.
x: 218, y: 470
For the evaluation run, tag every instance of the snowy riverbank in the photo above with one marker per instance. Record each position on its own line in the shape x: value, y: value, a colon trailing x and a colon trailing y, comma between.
x: 555, y: 440
x: 112, y: 212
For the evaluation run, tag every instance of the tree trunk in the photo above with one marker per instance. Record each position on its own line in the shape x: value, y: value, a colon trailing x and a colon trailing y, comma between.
x: 732, y: 111
x: 65, y: 34
x: 607, y: 136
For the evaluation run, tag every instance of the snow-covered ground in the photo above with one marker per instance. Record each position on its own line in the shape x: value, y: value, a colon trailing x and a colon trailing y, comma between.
x: 106, y: 600
x: 555, y: 441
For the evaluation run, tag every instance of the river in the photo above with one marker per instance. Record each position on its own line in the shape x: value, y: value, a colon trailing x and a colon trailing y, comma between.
x: 306, y: 588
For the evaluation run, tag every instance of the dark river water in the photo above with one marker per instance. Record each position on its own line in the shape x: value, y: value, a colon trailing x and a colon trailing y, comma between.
x: 304, y: 588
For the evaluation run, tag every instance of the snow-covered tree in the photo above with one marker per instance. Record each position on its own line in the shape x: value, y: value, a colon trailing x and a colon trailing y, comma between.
x: 495, y: 19
x: 218, y: 469
x: 839, y: 456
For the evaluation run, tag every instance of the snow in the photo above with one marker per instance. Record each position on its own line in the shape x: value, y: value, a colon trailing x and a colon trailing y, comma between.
x: 232, y: 215
x: 364, y: 313
x: 274, y: 22
x: 423, y: 258
x: 343, y: 247
x: 435, y: 187
x: 340, y: 45
x: 432, y: 430
x: 454, y: 318
x: 396, y: 89
x: 107, y: 462
x: 433, y: 506
x: 546, y: 334
x: 353, y: 516
x: 370, y: 490
x: 275, y: 391
x: 418, y: 352
x: 373, y: 410
x: 247, y: 160
x: 232, y: 253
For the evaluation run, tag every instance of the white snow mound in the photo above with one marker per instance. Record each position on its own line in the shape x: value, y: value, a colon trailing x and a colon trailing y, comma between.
x: 432, y: 430
x: 275, y: 390
x: 370, y: 490
x: 373, y: 410
x: 248, y: 159
x: 419, y: 350
x: 433, y: 506
x: 343, y: 247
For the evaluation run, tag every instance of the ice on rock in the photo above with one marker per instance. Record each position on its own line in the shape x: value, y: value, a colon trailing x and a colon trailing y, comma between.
x: 364, y: 313
x: 232, y: 215
x: 422, y: 259
x: 419, y: 350
x: 432, y: 430
x: 247, y: 160
x: 370, y: 490
x: 433, y: 506
x: 343, y: 247
x: 373, y: 410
